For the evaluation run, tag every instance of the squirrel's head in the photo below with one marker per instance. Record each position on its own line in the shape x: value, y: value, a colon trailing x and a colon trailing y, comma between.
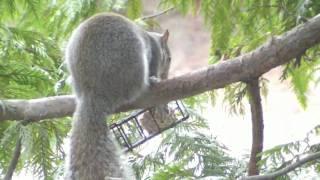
x: 161, y: 57
x: 165, y: 55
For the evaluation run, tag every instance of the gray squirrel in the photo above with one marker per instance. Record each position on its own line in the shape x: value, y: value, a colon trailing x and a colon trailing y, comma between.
x: 112, y: 62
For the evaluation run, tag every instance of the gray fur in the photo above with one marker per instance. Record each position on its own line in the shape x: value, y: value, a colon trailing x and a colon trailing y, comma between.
x: 110, y: 60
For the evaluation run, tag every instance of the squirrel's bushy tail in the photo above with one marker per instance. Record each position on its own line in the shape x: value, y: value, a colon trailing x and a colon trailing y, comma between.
x: 93, y: 154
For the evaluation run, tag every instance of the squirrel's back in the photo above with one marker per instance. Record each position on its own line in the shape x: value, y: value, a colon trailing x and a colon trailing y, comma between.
x: 107, y: 57
x: 110, y: 60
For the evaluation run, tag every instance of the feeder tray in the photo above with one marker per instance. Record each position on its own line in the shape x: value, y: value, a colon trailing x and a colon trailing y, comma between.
x: 145, y: 124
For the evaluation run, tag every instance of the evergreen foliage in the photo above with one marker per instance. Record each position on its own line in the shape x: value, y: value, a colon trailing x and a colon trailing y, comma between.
x: 33, y: 34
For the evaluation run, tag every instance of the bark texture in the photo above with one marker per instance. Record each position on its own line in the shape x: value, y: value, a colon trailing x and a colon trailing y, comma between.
x: 275, y: 52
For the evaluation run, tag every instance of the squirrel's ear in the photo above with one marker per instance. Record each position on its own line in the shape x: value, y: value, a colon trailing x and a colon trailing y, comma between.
x: 165, y: 36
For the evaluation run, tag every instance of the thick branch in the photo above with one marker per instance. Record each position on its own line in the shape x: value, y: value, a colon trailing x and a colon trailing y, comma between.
x: 287, y: 169
x: 37, y: 109
x: 275, y: 52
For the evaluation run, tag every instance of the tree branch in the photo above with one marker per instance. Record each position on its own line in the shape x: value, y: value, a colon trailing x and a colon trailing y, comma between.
x: 257, y: 125
x: 275, y: 52
x: 287, y: 169
x: 14, y: 160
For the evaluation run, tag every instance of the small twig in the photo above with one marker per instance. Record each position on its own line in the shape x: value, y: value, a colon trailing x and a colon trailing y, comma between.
x: 157, y: 14
x: 14, y: 160
x: 287, y: 169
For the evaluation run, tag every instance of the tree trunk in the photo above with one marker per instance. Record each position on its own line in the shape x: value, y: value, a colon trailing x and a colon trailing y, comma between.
x: 257, y: 125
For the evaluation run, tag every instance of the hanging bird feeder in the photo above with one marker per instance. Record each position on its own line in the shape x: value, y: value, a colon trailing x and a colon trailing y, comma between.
x: 145, y: 124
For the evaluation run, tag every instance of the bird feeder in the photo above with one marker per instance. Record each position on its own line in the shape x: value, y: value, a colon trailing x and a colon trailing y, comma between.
x: 145, y: 124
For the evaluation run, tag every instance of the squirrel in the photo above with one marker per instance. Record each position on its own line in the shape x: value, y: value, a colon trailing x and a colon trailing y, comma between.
x: 112, y: 61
